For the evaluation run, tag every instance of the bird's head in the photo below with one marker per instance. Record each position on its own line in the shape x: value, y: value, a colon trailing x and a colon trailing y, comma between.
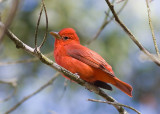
x: 65, y: 36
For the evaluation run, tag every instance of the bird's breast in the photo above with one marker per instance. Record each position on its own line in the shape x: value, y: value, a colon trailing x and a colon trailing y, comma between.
x: 85, y: 71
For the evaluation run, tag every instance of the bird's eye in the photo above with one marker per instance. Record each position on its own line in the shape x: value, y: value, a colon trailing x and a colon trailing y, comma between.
x: 65, y: 38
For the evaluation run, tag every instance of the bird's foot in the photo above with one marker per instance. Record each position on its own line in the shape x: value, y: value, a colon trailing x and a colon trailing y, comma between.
x: 77, y: 76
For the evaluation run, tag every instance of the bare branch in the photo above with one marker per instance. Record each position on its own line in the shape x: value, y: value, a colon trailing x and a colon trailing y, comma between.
x: 119, y: 1
x: 133, y: 38
x: 152, y: 30
x: 38, y: 22
x: 24, y: 61
x: 65, y: 87
x: 106, y: 22
x: 115, y: 103
x: 34, y: 93
x: 67, y: 73
x: 46, y: 33
x: 12, y: 83
x: 10, y: 18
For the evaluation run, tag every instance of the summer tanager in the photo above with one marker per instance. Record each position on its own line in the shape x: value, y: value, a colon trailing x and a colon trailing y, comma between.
x: 90, y: 66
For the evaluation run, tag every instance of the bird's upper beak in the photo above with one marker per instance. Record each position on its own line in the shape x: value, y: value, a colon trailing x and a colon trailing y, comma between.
x: 55, y: 34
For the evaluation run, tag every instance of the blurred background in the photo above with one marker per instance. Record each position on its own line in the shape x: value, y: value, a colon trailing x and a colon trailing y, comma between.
x: 85, y: 16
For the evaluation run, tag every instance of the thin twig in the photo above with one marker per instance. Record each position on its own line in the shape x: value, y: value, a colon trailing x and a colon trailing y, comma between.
x: 115, y: 103
x: 34, y: 93
x: 119, y: 1
x: 38, y: 22
x: 151, y: 28
x: 144, y: 57
x: 133, y: 38
x: 10, y: 18
x: 46, y: 33
x: 64, y: 88
x: 12, y: 83
x: 108, y: 12
x: 65, y: 85
x: 106, y: 22
x: 24, y: 61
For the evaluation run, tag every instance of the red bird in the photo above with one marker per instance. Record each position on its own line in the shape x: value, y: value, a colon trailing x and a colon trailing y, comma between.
x: 90, y: 66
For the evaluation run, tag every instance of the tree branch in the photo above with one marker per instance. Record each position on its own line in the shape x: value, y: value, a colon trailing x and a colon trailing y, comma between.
x: 115, y: 103
x: 152, y: 30
x: 12, y: 83
x: 46, y: 33
x: 106, y: 22
x: 38, y: 22
x: 133, y: 38
x: 10, y: 18
x: 24, y: 61
x: 34, y: 93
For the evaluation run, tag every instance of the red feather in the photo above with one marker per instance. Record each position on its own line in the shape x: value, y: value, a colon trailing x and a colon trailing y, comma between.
x: 89, y: 65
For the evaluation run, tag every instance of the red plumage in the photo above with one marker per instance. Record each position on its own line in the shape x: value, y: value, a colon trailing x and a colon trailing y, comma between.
x: 90, y: 66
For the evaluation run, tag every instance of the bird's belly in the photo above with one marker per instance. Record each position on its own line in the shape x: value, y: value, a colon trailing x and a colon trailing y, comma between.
x: 85, y: 71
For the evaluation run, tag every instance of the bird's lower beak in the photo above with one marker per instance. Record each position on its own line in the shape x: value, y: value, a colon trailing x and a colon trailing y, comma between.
x: 55, y: 34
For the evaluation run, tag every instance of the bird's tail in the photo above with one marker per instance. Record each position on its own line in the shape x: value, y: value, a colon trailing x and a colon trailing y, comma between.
x: 126, y: 88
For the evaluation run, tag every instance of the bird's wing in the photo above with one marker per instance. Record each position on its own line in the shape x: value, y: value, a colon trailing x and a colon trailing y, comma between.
x: 89, y: 57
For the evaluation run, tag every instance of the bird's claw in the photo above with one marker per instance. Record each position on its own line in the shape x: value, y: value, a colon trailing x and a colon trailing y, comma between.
x: 77, y: 76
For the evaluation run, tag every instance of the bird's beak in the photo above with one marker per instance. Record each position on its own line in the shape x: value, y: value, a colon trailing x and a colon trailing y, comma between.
x: 55, y: 34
